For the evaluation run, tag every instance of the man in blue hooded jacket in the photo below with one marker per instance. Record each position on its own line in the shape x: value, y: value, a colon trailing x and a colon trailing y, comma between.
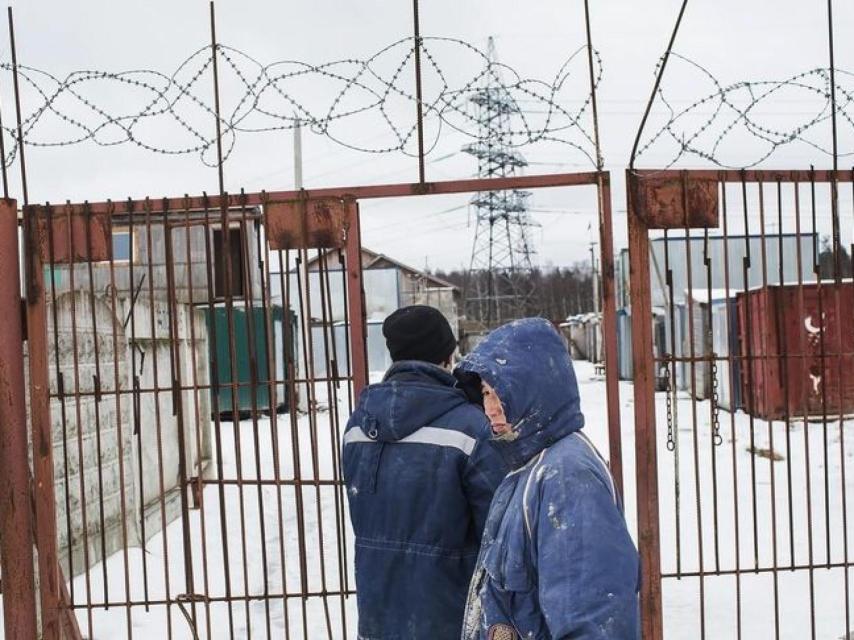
x: 420, y: 478
x: 557, y: 561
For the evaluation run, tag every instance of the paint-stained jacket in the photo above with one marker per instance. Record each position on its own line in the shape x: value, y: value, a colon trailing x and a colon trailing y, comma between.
x: 420, y: 477
x: 556, y: 561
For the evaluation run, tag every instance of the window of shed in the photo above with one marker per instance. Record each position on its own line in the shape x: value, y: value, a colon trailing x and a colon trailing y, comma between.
x: 123, y: 249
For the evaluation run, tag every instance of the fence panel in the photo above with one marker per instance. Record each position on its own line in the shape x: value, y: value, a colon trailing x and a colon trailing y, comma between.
x: 744, y: 503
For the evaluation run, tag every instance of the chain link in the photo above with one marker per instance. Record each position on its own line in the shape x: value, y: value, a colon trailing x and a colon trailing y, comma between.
x: 274, y: 97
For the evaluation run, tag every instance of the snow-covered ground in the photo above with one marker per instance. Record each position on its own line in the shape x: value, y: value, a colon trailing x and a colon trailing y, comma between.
x: 275, y: 533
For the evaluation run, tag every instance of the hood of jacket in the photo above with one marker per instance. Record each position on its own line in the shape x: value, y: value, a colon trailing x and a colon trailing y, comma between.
x: 412, y: 395
x: 528, y: 364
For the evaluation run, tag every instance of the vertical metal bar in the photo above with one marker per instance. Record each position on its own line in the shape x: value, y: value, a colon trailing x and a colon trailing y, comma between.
x: 3, y: 159
x: 308, y: 357
x: 21, y: 153
x: 16, y: 517
x: 609, y: 325
x: 838, y: 290
x: 823, y: 363
x: 137, y: 413
x: 345, y: 278
x: 649, y: 538
x: 267, y: 302
x: 229, y: 312
x: 42, y: 438
x: 733, y: 435
x: 216, y: 391
x: 305, y: 324
x: 750, y: 360
x: 807, y: 464
x: 96, y: 401
x: 254, y: 386
x: 117, y: 387
x: 662, y: 66
x: 178, y: 411
x: 714, y: 436
x: 694, y: 417
x: 609, y: 303
x: 766, y: 355
x: 673, y: 399
x: 60, y: 379
x: 832, y: 88
x: 291, y: 389
x: 312, y: 422
x: 356, y: 302
x: 783, y: 364
x: 78, y: 416
x: 334, y: 418
x: 198, y: 417
x: 155, y: 370
x: 418, y: 97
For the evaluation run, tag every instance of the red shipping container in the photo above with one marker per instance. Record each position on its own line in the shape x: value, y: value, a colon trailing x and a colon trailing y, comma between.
x: 797, y: 350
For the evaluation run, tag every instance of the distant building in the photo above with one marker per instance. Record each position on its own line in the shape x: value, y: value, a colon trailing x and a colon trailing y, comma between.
x: 389, y: 285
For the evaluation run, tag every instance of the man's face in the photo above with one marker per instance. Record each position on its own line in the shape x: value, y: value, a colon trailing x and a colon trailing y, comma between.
x: 494, y: 410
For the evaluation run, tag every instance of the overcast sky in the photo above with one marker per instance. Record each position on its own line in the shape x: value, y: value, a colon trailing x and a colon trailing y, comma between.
x: 735, y: 40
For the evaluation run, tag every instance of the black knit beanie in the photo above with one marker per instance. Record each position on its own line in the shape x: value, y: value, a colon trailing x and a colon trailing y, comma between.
x: 419, y: 332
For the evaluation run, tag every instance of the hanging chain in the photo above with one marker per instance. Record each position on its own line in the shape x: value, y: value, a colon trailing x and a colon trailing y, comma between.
x: 717, y: 439
x: 671, y: 442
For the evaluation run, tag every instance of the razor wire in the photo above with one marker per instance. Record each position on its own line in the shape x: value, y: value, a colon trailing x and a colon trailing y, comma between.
x: 733, y: 113
x: 142, y: 103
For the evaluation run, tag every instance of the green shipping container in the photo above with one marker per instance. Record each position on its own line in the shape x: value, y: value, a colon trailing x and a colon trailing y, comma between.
x: 251, y: 395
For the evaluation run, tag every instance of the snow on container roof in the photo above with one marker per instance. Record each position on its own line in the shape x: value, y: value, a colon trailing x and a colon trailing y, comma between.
x: 717, y: 295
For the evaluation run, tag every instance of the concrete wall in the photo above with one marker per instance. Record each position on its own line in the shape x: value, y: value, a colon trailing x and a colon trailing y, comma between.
x: 118, y: 452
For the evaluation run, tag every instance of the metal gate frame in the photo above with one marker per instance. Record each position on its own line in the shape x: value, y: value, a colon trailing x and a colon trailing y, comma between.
x: 80, y: 233
x: 684, y: 200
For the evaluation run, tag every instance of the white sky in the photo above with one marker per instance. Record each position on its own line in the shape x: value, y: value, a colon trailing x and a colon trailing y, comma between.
x: 736, y: 40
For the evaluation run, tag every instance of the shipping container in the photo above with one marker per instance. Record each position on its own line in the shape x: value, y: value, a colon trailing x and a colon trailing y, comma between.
x: 727, y: 256
x: 797, y: 349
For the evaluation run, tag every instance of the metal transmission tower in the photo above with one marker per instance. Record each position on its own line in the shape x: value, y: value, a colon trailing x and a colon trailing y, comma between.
x: 500, y: 286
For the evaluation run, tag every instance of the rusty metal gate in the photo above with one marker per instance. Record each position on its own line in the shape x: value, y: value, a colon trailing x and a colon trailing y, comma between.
x: 181, y: 370
x: 743, y: 343
x: 191, y: 364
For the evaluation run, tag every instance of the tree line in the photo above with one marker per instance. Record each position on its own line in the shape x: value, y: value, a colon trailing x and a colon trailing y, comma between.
x: 554, y: 293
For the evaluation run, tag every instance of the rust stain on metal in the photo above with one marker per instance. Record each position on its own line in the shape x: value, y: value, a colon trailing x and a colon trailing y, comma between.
x: 303, y: 224
x: 77, y: 237
x: 662, y: 200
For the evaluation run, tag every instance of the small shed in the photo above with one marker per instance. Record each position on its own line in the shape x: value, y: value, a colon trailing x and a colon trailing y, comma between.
x: 797, y: 343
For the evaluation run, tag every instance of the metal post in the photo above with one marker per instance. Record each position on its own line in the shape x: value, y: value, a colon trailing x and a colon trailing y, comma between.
x: 645, y: 431
x: 419, y: 106
x: 16, y: 516
x: 356, y: 302
x: 51, y: 585
x: 298, y: 155
x: 609, y: 331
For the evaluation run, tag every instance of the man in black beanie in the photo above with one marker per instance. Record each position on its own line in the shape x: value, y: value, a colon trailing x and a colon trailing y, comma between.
x: 420, y: 479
